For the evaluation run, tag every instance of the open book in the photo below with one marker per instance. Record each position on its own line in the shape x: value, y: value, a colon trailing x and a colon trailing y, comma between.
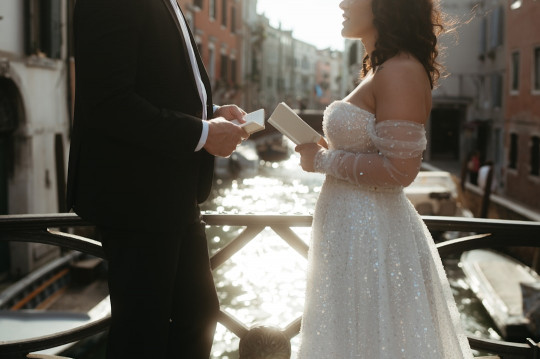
x: 286, y: 121
x: 254, y: 121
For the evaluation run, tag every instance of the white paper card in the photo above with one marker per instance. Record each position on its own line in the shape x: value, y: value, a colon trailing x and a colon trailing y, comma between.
x: 254, y: 121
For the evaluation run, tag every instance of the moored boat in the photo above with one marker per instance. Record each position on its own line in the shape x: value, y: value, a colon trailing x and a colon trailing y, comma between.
x: 62, y: 295
x: 499, y: 281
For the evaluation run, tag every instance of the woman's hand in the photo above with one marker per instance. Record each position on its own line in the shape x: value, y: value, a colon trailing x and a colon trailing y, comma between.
x: 322, y: 142
x: 307, y: 153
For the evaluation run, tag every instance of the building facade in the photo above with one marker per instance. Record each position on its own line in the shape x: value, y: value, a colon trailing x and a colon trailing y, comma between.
x: 351, y: 66
x: 254, y: 64
x: 276, y: 64
x: 328, y: 77
x: 522, y: 97
x: 252, y: 42
x: 293, y: 71
x: 217, y: 27
x: 34, y: 118
x: 304, y: 70
x: 454, y: 98
x: 468, y: 106
x: 485, y: 131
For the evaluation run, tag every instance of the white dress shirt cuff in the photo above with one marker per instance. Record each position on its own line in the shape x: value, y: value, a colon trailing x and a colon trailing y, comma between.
x: 204, y: 136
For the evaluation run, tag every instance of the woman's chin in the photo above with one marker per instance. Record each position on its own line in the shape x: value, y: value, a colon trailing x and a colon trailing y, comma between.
x: 346, y: 34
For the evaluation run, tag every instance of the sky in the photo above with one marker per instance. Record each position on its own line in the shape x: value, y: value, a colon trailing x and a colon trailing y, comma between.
x: 317, y: 22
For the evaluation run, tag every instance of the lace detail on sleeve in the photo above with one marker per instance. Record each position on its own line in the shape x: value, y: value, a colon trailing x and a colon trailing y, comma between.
x: 400, y: 145
x: 398, y: 139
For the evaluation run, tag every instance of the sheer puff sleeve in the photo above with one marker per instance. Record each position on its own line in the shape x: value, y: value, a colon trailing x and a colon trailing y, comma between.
x: 400, y: 145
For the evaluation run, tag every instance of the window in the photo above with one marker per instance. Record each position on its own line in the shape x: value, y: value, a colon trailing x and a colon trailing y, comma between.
x: 224, y: 64
x: 305, y: 83
x: 233, y: 71
x: 212, y: 63
x: 498, y: 138
x: 280, y: 84
x: 496, y: 29
x: 305, y: 62
x: 536, y: 70
x: 198, y: 3
x: 514, y: 72
x: 233, y: 20
x: 254, y: 66
x: 43, y: 27
x: 496, y: 90
x: 224, y: 13
x: 483, y: 38
x: 212, y: 9
x: 513, y: 155
x: 535, y: 156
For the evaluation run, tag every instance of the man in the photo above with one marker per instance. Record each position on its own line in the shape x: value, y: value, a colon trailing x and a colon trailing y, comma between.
x: 141, y: 160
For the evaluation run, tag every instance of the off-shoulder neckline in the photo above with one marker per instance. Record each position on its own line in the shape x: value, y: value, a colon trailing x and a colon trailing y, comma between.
x: 372, y: 115
x: 356, y: 107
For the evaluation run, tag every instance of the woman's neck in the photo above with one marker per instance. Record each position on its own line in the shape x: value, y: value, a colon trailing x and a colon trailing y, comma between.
x: 369, y: 45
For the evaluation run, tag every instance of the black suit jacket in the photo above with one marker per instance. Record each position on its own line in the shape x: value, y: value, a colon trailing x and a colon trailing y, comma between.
x: 137, y: 118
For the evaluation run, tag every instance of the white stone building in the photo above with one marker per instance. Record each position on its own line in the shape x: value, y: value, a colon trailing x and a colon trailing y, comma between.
x: 468, y: 105
x: 34, y: 118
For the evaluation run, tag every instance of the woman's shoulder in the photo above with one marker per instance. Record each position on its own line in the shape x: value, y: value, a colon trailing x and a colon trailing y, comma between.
x: 402, y: 89
x: 401, y: 66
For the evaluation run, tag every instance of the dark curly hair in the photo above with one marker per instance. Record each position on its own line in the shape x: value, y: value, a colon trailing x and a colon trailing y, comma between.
x: 410, y: 26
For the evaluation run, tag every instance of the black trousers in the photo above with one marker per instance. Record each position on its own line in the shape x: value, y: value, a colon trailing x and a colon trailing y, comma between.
x: 164, y: 302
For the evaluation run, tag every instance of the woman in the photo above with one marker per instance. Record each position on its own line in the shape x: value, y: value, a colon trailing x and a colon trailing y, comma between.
x: 376, y: 285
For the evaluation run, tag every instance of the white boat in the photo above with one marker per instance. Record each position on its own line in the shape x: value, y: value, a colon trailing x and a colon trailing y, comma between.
x: 434, y: 193
x: 500, y: 282
x: 29, y: 323
x: 51, y: 300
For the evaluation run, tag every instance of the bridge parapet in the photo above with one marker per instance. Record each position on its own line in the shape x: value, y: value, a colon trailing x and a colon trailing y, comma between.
x: 41, y: 229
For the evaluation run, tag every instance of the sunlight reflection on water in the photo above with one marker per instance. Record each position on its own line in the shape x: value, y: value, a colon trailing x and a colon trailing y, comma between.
x: 264, y: 283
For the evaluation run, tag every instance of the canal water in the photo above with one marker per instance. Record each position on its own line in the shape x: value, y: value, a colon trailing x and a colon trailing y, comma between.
x: 264, y: 283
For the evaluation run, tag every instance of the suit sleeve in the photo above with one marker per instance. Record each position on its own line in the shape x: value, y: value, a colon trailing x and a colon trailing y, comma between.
x: 106, y: 48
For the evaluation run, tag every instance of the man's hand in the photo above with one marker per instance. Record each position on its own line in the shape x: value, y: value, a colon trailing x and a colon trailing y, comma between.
x: 223, y: 137
x: 230, y: 113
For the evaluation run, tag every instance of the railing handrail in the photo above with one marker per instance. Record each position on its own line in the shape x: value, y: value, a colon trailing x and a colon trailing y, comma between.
x: 40, y: 228
x: 19, y: 222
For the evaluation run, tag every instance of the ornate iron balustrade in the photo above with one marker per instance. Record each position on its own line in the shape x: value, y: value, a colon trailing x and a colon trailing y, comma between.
x: 40, y: 229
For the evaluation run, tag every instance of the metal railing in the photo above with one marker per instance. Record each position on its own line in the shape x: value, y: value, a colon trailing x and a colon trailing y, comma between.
x: 41, y: 229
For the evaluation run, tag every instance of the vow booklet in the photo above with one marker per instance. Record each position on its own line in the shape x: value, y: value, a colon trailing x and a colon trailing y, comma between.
x: 286, y: 121
x: 254, y: 121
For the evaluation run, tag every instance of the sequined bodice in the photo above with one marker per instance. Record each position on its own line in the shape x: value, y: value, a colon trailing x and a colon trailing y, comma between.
x: 346, y: 127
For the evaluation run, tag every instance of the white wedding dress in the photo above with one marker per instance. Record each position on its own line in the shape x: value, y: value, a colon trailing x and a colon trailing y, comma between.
x: 376, y: 285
